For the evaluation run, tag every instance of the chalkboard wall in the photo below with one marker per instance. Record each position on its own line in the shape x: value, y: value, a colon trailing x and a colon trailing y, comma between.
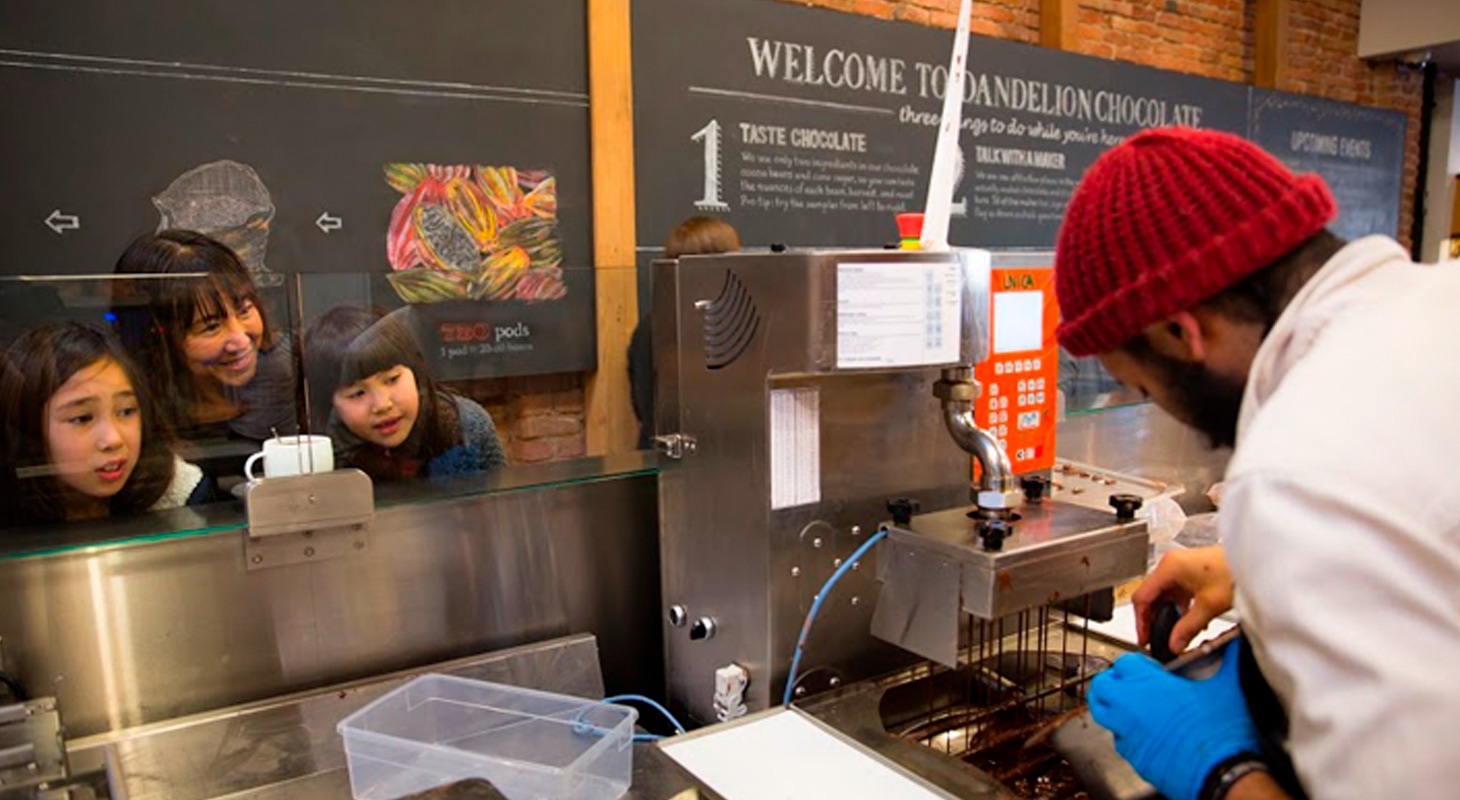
x: 112, y: 102
x: 813, y: 127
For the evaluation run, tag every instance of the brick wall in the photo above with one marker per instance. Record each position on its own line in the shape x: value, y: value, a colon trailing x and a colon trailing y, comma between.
x: 1210, y: 38
x: 538, y: 418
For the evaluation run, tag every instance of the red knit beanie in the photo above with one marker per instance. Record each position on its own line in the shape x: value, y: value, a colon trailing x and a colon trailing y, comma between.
x: 1168, y: 218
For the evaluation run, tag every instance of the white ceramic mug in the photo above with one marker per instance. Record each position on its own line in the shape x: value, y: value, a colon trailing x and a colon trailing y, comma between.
x: 292, y: 455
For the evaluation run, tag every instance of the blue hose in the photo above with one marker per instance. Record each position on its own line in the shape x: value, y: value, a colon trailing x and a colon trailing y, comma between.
x: 816, y: 606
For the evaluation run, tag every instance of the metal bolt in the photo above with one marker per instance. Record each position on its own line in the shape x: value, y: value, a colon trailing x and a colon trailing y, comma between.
x: 836, y: 562
x: 856, y: 566
x: 835, y: 681
x: 856, y: 601
x: 816, y: 543
x: 257, y: 559
x: 800, y: 691
x: 795, y: 572
x: 856, y: 530
x: 309, y: 552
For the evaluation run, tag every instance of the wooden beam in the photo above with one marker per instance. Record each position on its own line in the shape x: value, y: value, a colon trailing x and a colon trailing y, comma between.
x: 1057, y: 20
x: 1270, y: 40
x: 610, y: 416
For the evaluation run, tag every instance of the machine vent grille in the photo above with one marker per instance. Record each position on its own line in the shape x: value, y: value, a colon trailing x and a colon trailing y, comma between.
x: 730, y: 324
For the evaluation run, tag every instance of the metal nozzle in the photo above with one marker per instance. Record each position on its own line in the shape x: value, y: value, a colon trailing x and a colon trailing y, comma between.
x: 958, y: 391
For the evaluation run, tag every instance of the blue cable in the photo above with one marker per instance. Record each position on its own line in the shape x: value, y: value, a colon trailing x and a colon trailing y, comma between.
x: 579, y: 726
x: 816, y: 606
x: 638, y: 698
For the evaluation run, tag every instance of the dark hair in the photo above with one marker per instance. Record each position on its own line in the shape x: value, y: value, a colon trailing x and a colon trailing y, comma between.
x: 153, y: 316
x: 349, y: 344
x: 699, y: 236
x: 36, y: 365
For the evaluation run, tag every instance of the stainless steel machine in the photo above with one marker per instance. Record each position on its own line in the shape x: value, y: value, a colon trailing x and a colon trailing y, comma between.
x: 805, y: 397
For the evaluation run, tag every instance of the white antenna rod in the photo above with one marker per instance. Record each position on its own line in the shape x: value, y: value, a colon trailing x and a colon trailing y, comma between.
x: 945, y: 158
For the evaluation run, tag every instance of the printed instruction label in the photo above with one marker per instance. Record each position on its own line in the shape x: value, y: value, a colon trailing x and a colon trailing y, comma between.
x: 898, y: 315
x: 795, y: 447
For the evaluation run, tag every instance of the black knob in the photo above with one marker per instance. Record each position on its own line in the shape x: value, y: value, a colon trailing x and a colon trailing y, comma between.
x: 993, y: 532
x: 702, y: 628
x: 1035, y: 487
x: 1125, y: 505
x: 902, y: 510
x: 778, y: 247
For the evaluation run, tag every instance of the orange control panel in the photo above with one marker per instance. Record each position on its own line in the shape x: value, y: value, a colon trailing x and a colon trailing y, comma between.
x: 1020, y: 375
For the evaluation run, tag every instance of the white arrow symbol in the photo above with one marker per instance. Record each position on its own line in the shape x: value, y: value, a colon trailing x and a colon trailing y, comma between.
x: 328, y: 223
x: 60, y: 223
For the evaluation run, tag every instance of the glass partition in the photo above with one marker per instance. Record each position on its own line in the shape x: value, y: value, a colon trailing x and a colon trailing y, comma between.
x: 138, y: 406
x: 1086, y: 386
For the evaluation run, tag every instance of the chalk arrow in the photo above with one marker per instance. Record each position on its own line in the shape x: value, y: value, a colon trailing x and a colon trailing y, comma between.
x: 329, y: 223
x: 60, y: 223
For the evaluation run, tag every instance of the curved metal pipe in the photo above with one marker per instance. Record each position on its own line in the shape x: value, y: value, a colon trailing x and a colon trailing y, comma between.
x: 997, y: 474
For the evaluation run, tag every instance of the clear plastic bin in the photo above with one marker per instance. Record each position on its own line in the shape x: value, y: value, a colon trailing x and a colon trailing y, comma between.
x: 532, y: 745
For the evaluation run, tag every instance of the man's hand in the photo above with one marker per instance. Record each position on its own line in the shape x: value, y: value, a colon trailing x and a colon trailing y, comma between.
x: 1198, y: 580
x: 1173, y: 730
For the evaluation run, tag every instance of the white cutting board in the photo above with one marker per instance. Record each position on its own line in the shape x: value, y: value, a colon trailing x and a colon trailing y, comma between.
x: 783, y: 755
x: 1122, y: 627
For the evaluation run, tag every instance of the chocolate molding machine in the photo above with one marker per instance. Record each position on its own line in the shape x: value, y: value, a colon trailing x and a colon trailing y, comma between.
x: 797, y: 393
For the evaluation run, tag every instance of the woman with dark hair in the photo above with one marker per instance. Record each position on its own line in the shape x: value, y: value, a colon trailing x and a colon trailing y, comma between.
x: 696, y: 236
x: 83, y: 439
x: 370, y: 389
x: 200, y: 330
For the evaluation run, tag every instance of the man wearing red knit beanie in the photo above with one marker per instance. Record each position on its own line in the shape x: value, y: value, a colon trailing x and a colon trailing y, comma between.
x: 1200, y: 271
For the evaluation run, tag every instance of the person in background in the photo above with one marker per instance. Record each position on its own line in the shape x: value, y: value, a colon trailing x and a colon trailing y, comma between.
x: 369, y: 388
x: 1200, y: 271
x: 83, y: 439
x: 228, y: 372
x: 696, y: 236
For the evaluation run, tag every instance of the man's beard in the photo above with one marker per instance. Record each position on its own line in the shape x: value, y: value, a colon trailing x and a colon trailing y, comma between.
x: 1204, y: 400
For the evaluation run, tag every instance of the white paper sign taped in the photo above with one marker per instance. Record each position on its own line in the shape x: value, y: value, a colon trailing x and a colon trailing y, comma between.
x: 898, y: 315
x: 795, y: 447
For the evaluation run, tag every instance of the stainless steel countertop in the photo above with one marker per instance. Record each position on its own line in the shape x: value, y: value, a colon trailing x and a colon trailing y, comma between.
x: 289, y: 747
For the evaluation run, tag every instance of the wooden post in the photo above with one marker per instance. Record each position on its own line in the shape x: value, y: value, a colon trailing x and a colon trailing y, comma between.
x: 610, y: 416
x: 1270, y: 33
x: 1057, y: 20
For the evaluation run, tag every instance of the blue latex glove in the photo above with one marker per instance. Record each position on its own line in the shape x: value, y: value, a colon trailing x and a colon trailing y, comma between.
x: 1174, y: 731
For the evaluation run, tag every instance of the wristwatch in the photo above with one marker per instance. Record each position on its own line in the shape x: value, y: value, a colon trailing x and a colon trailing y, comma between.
x: 1226, y: 774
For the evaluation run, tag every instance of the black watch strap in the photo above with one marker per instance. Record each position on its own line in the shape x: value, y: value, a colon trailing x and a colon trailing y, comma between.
x: 1225, y: 775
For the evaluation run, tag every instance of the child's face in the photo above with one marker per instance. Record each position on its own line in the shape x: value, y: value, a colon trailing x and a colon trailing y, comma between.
x: 382, y: 408
x: 225, y: 346
x: 94, y: 430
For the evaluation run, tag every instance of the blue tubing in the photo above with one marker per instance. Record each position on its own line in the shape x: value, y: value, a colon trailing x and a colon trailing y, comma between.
x: 816, y: 606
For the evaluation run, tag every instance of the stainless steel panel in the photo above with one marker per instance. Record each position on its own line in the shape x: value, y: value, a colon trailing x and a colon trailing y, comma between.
x: 131, y: 634
x: 1058, y: 552
x: 727, y: 554
x: 289, y: 748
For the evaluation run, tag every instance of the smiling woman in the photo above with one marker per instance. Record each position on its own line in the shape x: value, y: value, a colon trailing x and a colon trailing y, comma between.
x: 82, y: 437
x: 198, y: 326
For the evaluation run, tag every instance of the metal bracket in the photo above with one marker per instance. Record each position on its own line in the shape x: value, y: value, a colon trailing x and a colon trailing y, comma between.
x: 676, y: 445
x: 302, y: 518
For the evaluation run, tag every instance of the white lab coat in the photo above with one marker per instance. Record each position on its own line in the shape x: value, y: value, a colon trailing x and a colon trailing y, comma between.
x: 1341, y: 519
